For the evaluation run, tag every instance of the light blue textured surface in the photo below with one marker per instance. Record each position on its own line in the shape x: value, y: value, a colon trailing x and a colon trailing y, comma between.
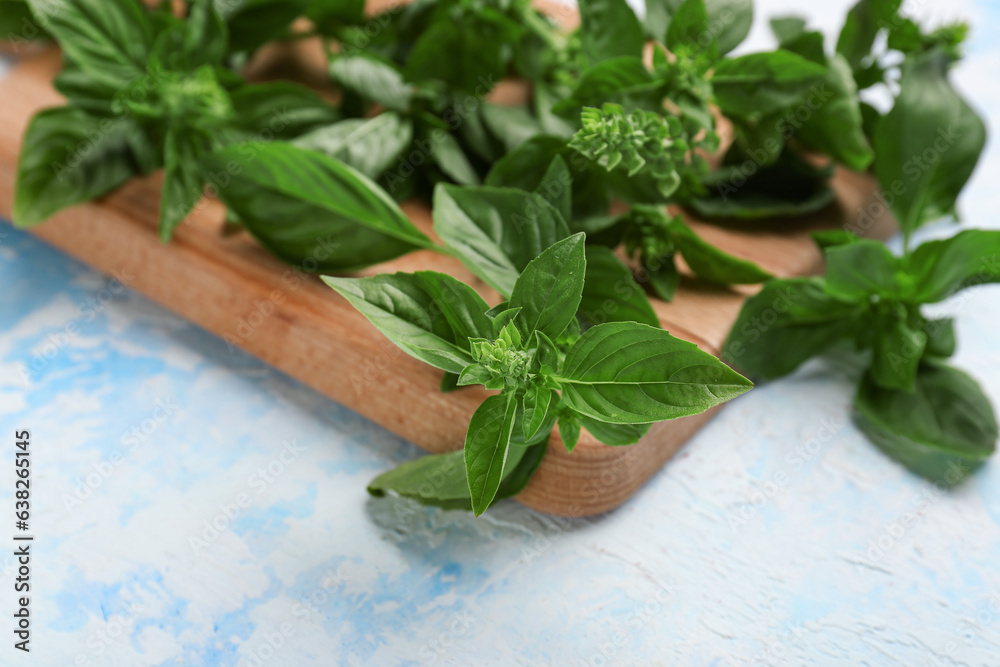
x: 777, y: 536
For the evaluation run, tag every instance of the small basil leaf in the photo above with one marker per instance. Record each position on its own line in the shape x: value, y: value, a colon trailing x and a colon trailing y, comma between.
x: 373, y: 79
x: 477, y: 374
x: 714, y: 265
x: 787, y: 322
x: 627, y: 373
x: 369, y: 145
x: 556, y: 187
x: 610, y: 293
x: 689, y: 32
x: 546, y: 355
x: 550, y: 288
x: 436, y: 479
x: 182, y: 181
x: 928, y: 145
x: 503, y: 319
x: 496, y: 231
x: 450, y: 157
x: 940, y: 431
x: 255, y: 22
x: 609, y: 28
x: 898, y: 349
x: 664, y: 278
x: 402, y: 306
x: 303, y: 206
x: 486, y: 446
x: 68, y: 157
x: 569, y: 429
x: 861, y: 26
x: 537, y: 399
x: 279, y: 110
x: 449, y: 382
x: 731, y: 20
x: 938, y: 269
x: 616, y: 435
x: 940, y: 337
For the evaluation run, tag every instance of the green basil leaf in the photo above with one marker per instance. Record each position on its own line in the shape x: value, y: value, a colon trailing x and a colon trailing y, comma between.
x: 835, y: 126
x: 183, y: 184
x: 17, y: 23
x: 369, y: 145
x: 623, y: 80
x: 302, y: 206
x: 759, y: 84
x: 373, y: 79
x: 786, y: 323
x: 537, y: 399
x: 522, y: 462
x: 627, y: 373
x: 732, y: 20
x: 204, y: 37
x: 486, y: 446
x: 430, y: 316
x: 496, y: 231
x: 279, y: 110
x: 511, y: 125
x: 788, y: 187
x: 937, y: 269
x: 714, y: 265
x: 898, y: 348
x: 109, y: 39
x: 556, y: 187
x: 940, y: 337
x: 861, y: 26
x: 610, y: 292
x: 862, y: 269
x: 450, y: 157
x: 569, y: 430
x: 608, y: 29
x: 689, y: 32
x: 69, y: 157
x: 252, y: 23
x: 664, y: 278
x: 549, y: 290
x: 615, y: 435
x: 351, y: 12
x: 928, y: 145
x: 657, y: 19
x: 941, y: 430
x: 466, y: 57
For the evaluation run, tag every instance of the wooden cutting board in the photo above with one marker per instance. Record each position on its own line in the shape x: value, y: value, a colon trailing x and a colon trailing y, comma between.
x: 233, y: 288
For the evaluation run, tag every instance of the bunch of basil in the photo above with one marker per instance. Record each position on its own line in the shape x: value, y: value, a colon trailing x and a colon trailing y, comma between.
x: 521, y: 193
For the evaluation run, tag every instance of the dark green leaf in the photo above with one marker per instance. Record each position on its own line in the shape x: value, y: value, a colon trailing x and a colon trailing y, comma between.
x: 182, y: 181
x: 898, y: 348
x: 486, y: 447
x: 610, y: 293
x: 450, y: 157
x: 431, y: 316
x: 928, y: 145
x: 309, y: 209
x: 608, y: 29
x: 569, y: 430
x: 537, y: 399
x: 556, y: 187
x: 549, y: 290
x: 689, y: 32
x: 511, y: 125
x: 279, y: 110
x: 759, y: 84
x: 627, y: 373
x: 496, y: 231
x: 863, y: 23
x: 69, y: 157
x: 938, y: 269
x: 616, y: 435
x: 714, y: 265
x: 17, y: 23
x: 664, y: 277
x: 940, y: 431
x: 373, y: 79
x: 859, y: 270
x: 787, y: 322
x: 252, y: 23
x: 109, y: 39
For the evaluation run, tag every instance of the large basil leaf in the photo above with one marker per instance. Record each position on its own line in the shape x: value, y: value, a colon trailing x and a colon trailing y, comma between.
x: 486, y: 446
x: 431, y: 316
x: 611, y: 294
x: 937, y: 269
x: 862, y: 269
x: 496, y: 231
x: 109, y: 39
x: 758, y: 84
x: 549, y: 290
x: 608, y: 29
x: 369, y: 145
x: 941, y: 430
x: 861, y: 26
x: 788, y: 322
x: 628, y: 373
x: 928, y: 145
x: 69, y: 157
x: 302, y: 206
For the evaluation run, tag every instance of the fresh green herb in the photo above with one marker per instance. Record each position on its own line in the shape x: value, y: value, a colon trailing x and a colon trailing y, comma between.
x: 531, y: 350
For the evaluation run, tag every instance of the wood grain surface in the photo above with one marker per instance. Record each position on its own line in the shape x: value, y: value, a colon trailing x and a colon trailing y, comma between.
x: 233, y: 288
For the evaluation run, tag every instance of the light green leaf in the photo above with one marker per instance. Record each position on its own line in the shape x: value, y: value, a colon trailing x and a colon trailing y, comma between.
x: 369, y: 145
x: 373, y: 79
x: 758, y: 84
x: 627, y: 373
x: 486, y: 446
x: 937, y: 269
x: 549, y: 290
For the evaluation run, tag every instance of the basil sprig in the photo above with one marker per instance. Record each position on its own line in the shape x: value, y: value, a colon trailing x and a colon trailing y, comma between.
x: 619, y: 376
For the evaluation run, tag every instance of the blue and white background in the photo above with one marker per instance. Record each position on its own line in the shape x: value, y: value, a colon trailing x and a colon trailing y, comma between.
x: 194, y: 507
